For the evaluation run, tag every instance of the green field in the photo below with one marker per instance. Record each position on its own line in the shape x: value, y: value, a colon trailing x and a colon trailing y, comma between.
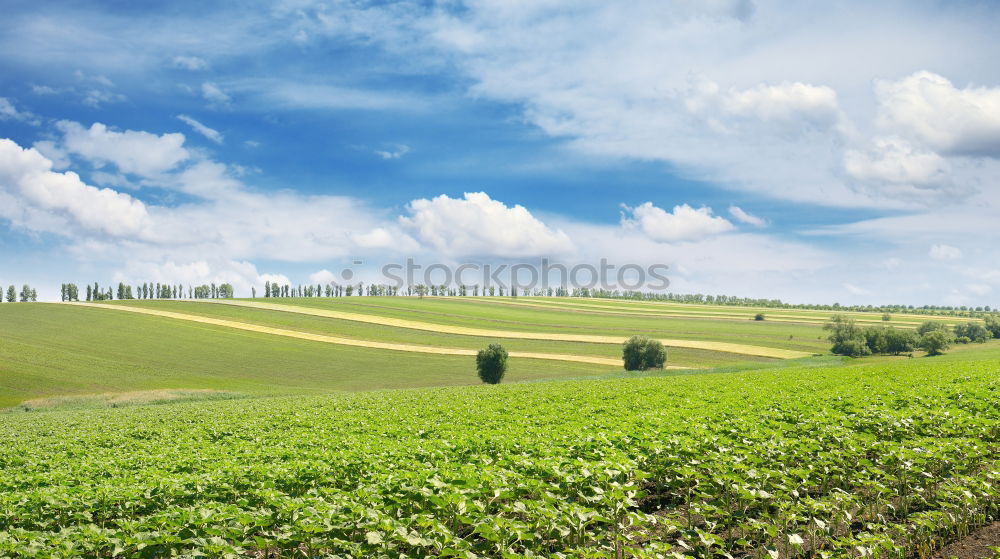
x: 264, y: 445
x: 482, y: 313
x: 883, y: 458
x: 52, y: 350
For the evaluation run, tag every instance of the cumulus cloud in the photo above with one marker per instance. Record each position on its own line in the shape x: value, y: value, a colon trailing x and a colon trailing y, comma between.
x: 226, y: 220
x: 929, y: 108
x: 214, y: 93
x: 386, y: 238
x: 944, y: 252
x: 210, y: 133
x: 683, y: 224
x: 747, y: 218
x: 192, y: 63
x: 323, y: 277
x: 896, y: 166
x: 476, y: 225
x: 789, y: 105
x: 131, y: 151
x: 37, y: 197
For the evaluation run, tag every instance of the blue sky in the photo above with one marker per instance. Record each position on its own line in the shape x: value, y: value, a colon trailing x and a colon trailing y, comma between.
x: 803, y: 151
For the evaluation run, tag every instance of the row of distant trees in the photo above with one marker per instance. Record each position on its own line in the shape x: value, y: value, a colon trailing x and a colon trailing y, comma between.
x: 933, y: 337
x: 699, y: 298
x: 148, y: 290
x: 378, y: 290
x: 283, y: 290
x: 27, y: 294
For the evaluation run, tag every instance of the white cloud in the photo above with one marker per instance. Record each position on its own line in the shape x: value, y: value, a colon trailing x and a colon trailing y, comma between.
x: 476, y: 225
x: 744, y: 217
x: 43, y: 89
x: 9, y: 112
x: 683, y: 224
x: 323, y: 277
x: 280, y: 279
x: 930, y: 109
x: 399, y: 151
x: 894, y: 166
x: 192, y: 63
x: 386, y: 238
x: 944, y: 252
x: 214, y: 93
x: 789, y: 106
x: 131, y: 151
x: 210, y: 133
x: 39, y: 198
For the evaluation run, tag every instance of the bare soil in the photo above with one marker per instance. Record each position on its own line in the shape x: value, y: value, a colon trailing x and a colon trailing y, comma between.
x: 974, y: 546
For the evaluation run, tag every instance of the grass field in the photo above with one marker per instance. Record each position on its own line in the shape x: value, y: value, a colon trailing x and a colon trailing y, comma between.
x: 865, y: 458
x: 53, y: 350
x: 502, y: 315
x: 56, y: 350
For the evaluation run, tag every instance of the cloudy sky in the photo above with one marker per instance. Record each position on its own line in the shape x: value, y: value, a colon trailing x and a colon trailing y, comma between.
x: 808, y: 151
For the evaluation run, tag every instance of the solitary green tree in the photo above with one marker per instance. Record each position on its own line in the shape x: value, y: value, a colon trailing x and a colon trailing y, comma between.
x: 641, y: 353
x: 491, y: 363
x: 11, y: 294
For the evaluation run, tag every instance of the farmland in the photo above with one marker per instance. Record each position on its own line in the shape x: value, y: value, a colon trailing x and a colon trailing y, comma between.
x: 868, y: 459
x: 348, y: 428
x: 51, y: 350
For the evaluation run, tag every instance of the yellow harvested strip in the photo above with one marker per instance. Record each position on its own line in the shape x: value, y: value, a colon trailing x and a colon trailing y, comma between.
x: 679, y: 313
x: 356, y: 343
x: 513, y: 334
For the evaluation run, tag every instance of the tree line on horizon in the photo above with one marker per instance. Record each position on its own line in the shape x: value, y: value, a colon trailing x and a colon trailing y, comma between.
x: 147, y: 290
x: 154, y: 290
x: 28, y: 294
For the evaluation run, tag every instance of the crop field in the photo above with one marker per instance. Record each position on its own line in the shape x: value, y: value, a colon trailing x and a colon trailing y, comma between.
x: 52, y: 350
x: 869, y: 459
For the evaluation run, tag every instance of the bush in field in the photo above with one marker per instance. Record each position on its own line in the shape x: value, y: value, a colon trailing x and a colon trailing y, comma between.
x: 641, y: 353
x: 974, y: 331
x: 993, y: 325
x: 876, y: 338
x: 759, y: 316
x: 491, y: 363
x: 847, y: 338
x: 935, y: 342
x: 930, y: 326
x: 900, y: 341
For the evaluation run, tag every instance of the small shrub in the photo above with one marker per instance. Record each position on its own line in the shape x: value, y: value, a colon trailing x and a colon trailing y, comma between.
x: 930, y: 326
x: 886, y: 317
x: 962, y: 340
x: 641, y: 353
x: 758, y: 316
x: 851, y: 347
x: 491, y: 363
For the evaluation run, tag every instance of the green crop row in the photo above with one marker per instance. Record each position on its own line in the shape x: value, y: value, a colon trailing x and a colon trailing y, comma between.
x: 872, y: 460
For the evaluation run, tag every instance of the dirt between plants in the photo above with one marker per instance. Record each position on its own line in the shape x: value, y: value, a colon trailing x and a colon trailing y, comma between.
x: 974, y: 546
